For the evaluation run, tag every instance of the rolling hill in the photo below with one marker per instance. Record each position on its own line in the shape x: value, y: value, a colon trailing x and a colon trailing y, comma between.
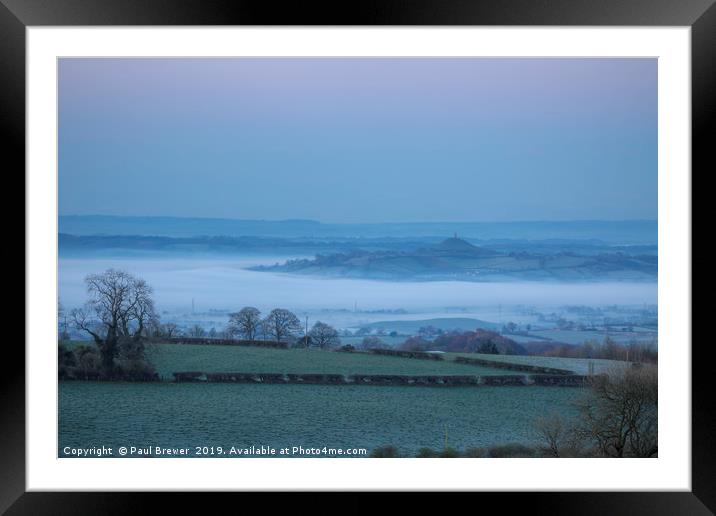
x: 457, y: 259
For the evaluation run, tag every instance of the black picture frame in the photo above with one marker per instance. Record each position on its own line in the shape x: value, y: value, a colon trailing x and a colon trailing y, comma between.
x: 16, y: 15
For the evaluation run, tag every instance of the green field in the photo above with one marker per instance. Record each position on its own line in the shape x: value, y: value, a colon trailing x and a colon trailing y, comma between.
x: 174, y: 415
x: 168, y: 358
x: 215, y: 414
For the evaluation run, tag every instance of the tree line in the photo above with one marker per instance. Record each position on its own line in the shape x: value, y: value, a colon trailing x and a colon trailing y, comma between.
x: 608, y: 349
x: 120, y: 315
x: 280, y: 325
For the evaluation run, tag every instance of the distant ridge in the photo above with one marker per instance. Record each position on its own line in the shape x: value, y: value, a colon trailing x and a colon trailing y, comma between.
x: 628, y: 232
x: 455, y: 246
x: 456, y: 259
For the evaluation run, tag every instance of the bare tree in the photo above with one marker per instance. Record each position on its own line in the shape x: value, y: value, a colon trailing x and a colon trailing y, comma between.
x: 323, y: 335
x: 281, y: 323
x: 551, y: 429
x: 617, y: 417
x: 621, y: 417
x: 559, y: 434
x: 169, y: 330
x: 196, y: 331
x: 119, y: 310
x: 245, y: 322
x: 62, y: 319
x: 371, y: 342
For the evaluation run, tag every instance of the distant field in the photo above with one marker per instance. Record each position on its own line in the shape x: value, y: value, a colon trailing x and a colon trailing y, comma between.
x: 169, y: 358
x: 580, y: 337
x: 443, y: 323
x: 391, y: 341
x: 578, y: 365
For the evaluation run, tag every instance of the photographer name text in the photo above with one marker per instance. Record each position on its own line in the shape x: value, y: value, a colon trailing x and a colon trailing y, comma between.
x: 211, y: 451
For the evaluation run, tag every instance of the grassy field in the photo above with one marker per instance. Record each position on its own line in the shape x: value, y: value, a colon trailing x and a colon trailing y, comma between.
x: 198, y: 414
x: 168, y: 358
x: 578, y: 365
x: 174, y: 415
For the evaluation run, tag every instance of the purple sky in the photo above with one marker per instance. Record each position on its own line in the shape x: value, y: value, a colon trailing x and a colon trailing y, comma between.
x: 360, y: 140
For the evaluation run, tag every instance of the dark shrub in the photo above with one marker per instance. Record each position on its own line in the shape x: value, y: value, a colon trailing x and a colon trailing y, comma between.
x: 427, y: 453
x: 449, y: 453
x: 85, y: 363
x: 65, y: 357
x: 89, y: 363
x: 385, y: 452
x: 66, y: 363
x: 511, y: 451
x: 475, y: 453
x: 488, y: 347
x: 137, y: 370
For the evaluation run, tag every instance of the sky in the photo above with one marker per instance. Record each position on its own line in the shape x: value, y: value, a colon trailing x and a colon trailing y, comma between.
x: 359, y: 140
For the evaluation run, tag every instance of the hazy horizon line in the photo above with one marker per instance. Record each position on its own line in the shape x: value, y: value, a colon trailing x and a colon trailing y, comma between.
x: 515, y: 221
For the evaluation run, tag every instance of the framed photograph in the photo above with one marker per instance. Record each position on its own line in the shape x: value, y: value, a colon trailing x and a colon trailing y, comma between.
x: 304, y: 251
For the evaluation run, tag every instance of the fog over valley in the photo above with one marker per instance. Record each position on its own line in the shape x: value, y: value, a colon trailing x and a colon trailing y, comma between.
x: 226, y: 284
x: 353, y: 275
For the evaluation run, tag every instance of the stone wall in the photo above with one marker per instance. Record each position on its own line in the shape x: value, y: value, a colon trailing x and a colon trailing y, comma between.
x: 511, y: 379
x: 560, y: 380
x: 382, y: 379
x: 406, y: 354
x: 223, y: 342
x: 512, y: 366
